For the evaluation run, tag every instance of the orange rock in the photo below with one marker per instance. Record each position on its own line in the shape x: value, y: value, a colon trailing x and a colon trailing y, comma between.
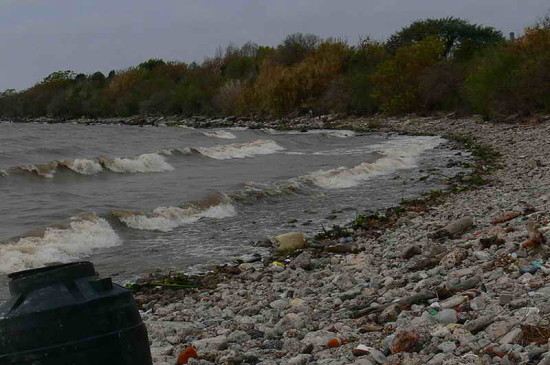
x: 405, y: 340
x: 334, y: 343
x: 185, y: 355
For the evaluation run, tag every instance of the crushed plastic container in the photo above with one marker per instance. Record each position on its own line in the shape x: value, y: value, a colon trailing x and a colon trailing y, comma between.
x: 67, y: 315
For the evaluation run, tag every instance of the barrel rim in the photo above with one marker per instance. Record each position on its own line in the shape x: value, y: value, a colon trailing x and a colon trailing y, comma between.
x: 25, y: 273
x: 24, y: 281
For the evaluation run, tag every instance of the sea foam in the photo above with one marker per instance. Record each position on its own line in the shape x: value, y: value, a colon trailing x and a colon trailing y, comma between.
x: 79, y: 239
x: 165, y: 219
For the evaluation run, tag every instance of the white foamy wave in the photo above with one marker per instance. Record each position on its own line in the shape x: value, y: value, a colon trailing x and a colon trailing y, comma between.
x: 78, y: 240
x: 241, y: 150
x: 148, y: 162
x: 343, y: 177
x: 85, y: 166
x: 165, y: 219
x: 220, y: 134
x: 397, y: 155
x: 339, y: 133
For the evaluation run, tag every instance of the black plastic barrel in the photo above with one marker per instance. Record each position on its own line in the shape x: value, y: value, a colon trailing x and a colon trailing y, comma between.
x: 67, y: 315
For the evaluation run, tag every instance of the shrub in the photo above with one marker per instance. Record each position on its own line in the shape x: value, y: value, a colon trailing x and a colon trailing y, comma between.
x: 439, y: 85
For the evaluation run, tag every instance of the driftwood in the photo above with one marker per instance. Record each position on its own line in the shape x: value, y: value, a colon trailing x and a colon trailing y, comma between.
x: 479, y: 323
x: 419, y: 297
x: 507, y: 216
x: 404, y: 302
x: 445, y: 290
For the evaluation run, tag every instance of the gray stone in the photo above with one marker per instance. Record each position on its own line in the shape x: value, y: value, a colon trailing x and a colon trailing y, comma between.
x: 447, y: 346
x: 300, y: 359
x: 211, y: 344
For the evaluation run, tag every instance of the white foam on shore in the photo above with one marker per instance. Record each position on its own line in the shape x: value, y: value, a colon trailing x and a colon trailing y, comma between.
x: 165, y: 219
x: 396, y: 155
x: 78, y: 240
x: 240, y: 150
x: 148, y: 162
x: 220, y: 134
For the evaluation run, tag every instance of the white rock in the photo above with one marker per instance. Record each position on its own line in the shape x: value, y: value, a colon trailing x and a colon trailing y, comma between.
x: 291, y: 241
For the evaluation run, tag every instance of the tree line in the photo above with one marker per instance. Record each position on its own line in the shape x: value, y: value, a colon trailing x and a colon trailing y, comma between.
x: 431, y: 65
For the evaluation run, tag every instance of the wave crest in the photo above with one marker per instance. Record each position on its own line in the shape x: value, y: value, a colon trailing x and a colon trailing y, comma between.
x: 148, y: 162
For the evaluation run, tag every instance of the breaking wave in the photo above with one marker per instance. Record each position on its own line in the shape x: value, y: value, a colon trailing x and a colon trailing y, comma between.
x: 148, y: 162
x: 220, y: 134
x: 165, y: 219
x: 233, y: 150
x: 78, y: 239
x: 395, y: 155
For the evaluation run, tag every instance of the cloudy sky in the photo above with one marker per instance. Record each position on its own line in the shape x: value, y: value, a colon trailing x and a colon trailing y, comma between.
x: 38, y: 37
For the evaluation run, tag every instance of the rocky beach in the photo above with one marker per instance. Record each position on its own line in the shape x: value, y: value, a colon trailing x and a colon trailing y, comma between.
x: 455, y: 278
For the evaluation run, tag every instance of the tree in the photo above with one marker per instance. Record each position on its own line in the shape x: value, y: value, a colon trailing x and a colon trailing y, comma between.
x: 296, y: 47
x: 461, y: 38
x: 66, y: 75
x: 151, y: 64
x: 544, y: 21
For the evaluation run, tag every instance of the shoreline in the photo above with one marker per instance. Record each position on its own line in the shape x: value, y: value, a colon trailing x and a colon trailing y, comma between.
x: 319, y: 307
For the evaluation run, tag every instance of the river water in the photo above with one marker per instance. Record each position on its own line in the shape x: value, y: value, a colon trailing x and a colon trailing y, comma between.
x: 136, y: 199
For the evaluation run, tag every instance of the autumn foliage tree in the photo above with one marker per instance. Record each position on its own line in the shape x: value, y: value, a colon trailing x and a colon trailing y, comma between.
x: 446, y: 64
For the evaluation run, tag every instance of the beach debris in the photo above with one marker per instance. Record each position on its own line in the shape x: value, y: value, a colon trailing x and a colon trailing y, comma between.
x: 335, y: 342
x: 536, y: 237
x: 185, y: 355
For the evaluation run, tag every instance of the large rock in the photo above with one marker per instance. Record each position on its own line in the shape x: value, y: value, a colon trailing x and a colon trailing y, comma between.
x: 290, y: 241
x: 212, y: 344
x: 318, y: 338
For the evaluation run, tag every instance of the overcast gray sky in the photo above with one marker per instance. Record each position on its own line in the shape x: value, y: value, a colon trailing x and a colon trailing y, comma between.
x: 38, y: 37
